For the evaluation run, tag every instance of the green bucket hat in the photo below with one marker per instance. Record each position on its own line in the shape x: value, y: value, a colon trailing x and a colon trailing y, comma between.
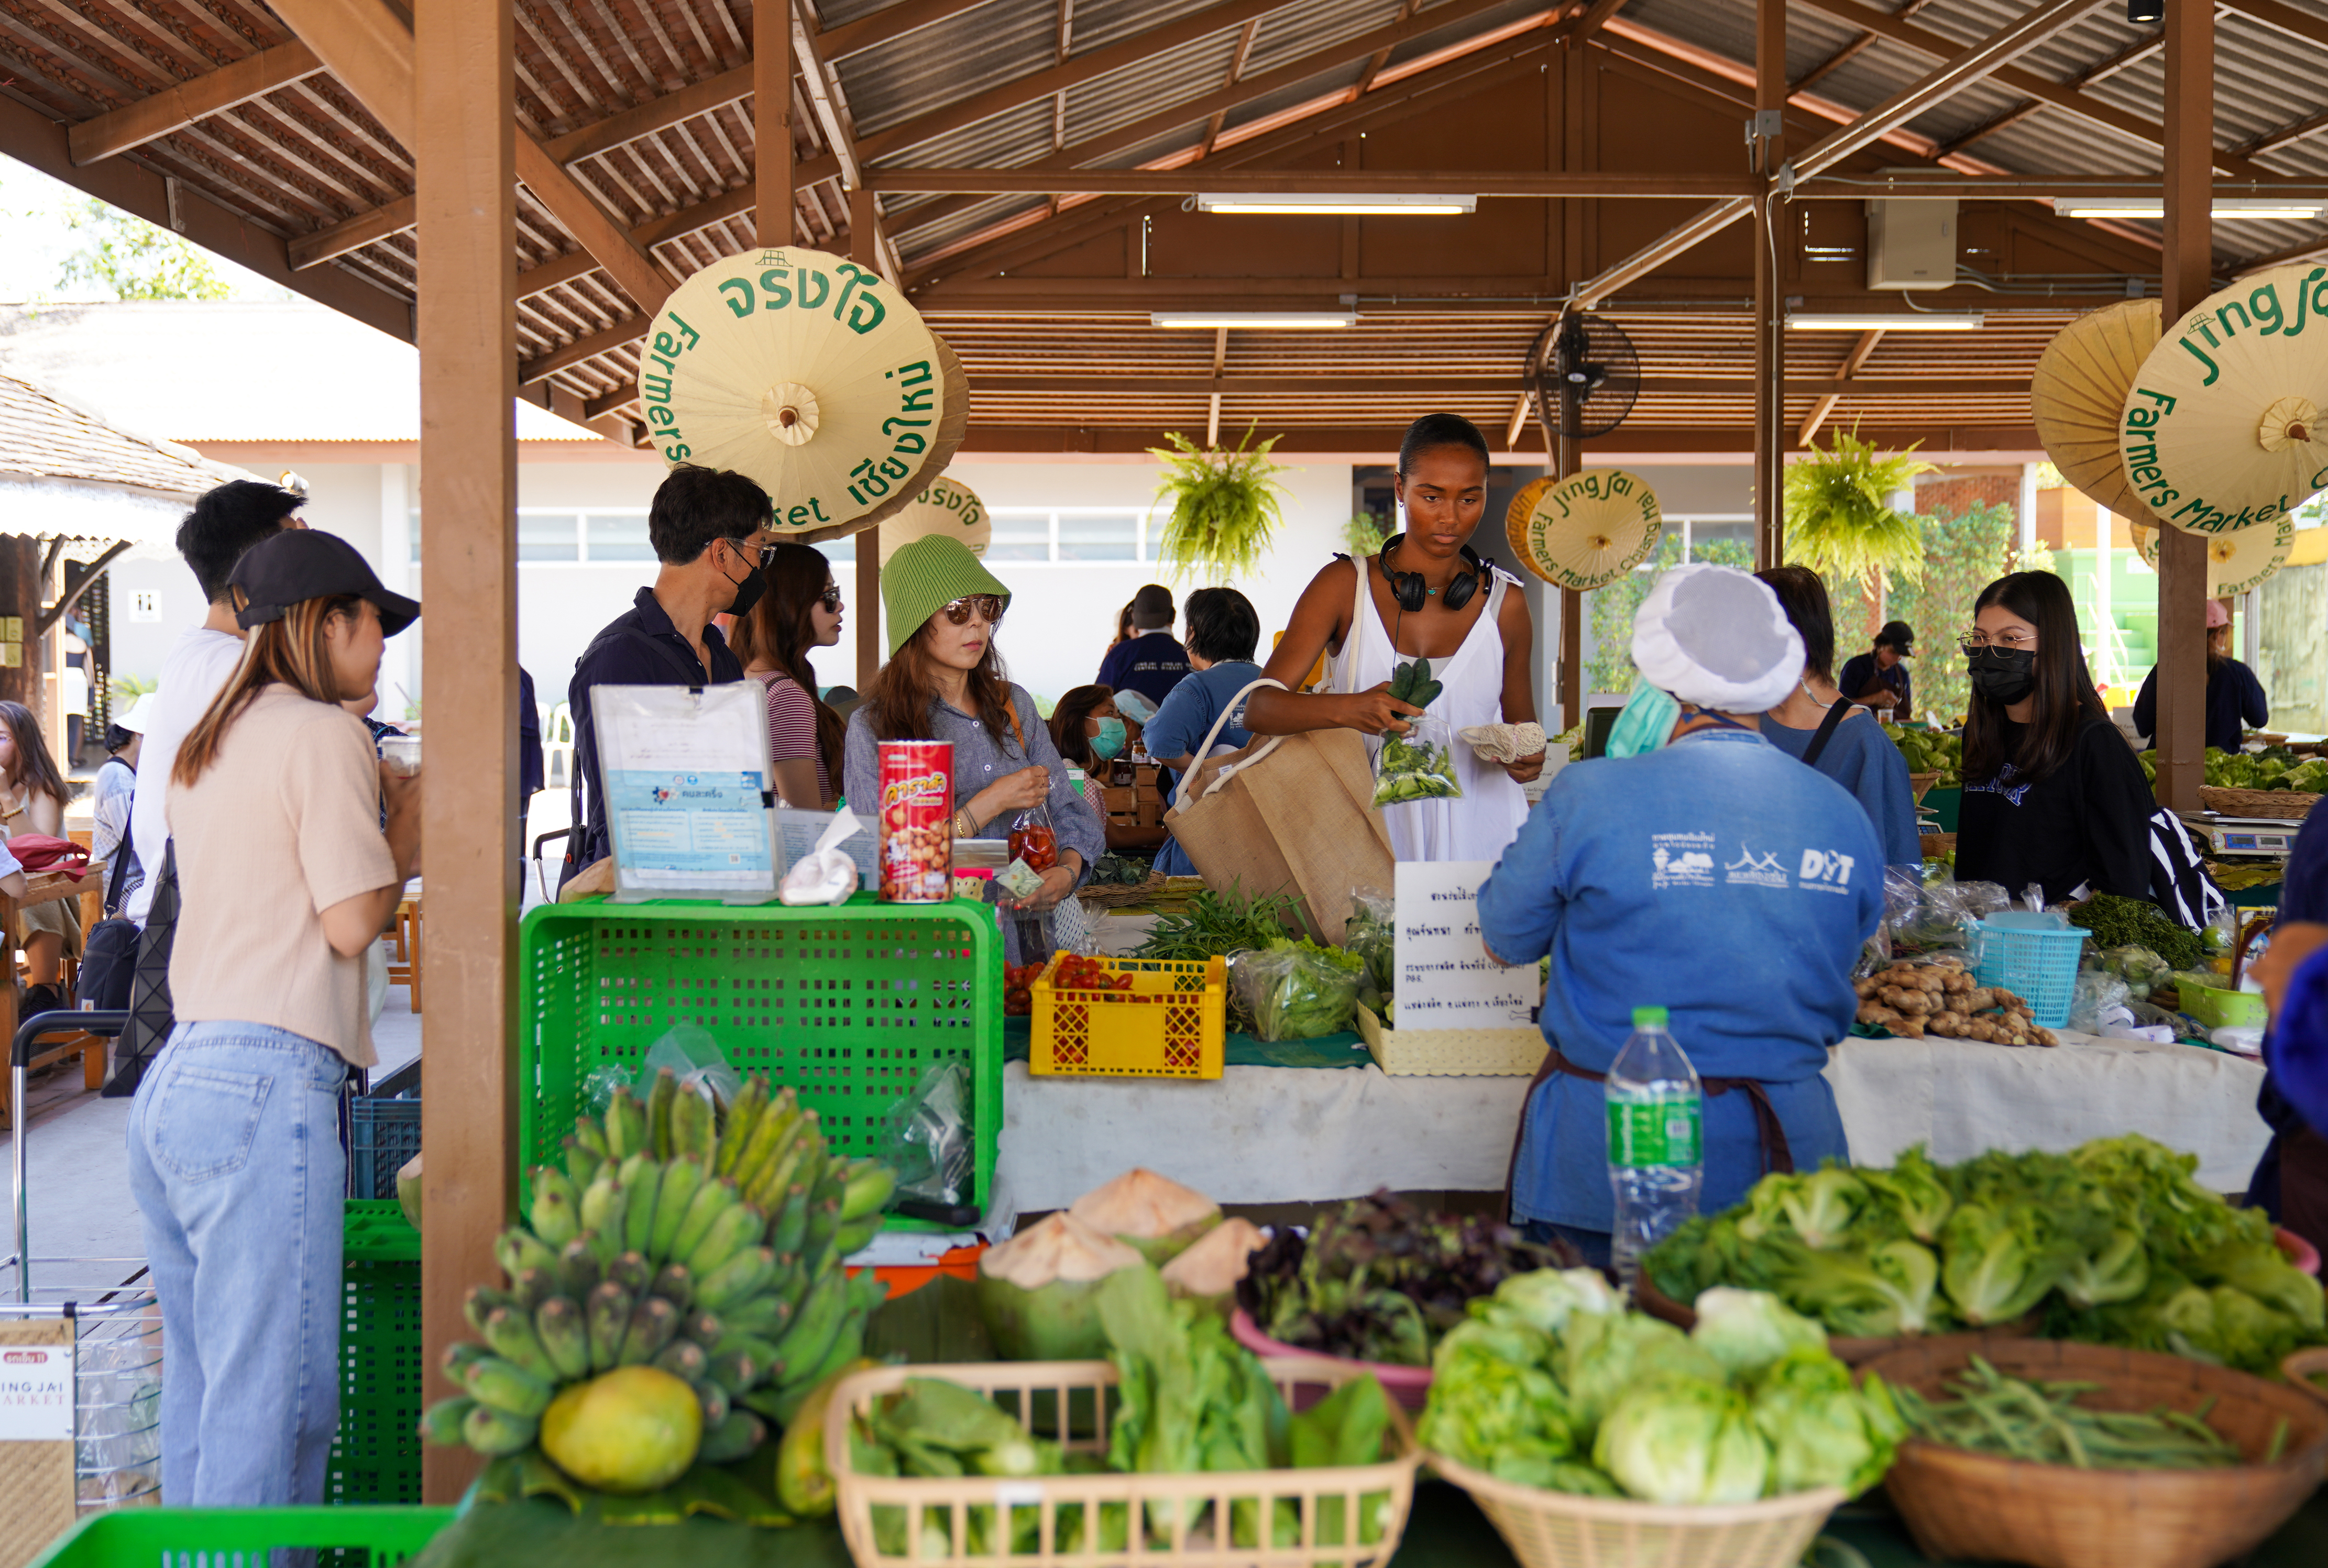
x: 925, y: 577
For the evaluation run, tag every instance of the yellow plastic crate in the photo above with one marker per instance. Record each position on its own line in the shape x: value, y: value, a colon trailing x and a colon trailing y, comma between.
x: 1168, y: 1025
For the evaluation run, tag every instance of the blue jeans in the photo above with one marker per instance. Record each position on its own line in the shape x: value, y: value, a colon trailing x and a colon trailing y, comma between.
x: 236, y: 1164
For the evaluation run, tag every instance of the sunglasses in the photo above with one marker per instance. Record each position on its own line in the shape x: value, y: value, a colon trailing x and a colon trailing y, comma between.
x: 989, y: 607
x: 831, y: 597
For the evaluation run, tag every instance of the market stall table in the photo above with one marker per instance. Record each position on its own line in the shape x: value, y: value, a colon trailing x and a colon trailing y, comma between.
x: 1272, y: 1134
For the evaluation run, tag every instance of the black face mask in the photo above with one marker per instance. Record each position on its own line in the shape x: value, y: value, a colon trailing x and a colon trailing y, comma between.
x: 747, y: 592
x: 2003, y: 675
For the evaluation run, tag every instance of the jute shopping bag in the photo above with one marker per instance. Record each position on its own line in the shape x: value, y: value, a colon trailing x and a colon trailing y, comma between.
x: 1291, y: 813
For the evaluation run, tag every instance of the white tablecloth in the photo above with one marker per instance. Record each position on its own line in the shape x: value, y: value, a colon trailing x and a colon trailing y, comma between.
x: 1297, y: 1135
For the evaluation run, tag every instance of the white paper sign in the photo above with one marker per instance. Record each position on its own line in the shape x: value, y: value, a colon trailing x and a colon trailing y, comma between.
x: 1445, y: 979
x: 36, y: 1393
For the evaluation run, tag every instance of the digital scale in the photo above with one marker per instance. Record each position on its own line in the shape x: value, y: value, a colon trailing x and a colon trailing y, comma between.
x: 2266, y: 838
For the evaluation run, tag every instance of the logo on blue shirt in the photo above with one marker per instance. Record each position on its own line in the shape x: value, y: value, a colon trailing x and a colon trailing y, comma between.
x: 1753, y: 870
x: 1825, y: 871
x: 1680, y: 861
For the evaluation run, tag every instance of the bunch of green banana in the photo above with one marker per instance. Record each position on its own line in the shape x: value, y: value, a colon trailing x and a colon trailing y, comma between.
x: 711, y: 1253
x: 1412, y: 682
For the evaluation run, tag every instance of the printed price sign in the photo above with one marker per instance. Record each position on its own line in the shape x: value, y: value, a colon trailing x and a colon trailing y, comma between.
x: 36, y: 1393
x: 1445, y: 981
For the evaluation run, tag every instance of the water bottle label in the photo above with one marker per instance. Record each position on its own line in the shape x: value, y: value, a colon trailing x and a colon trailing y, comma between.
x: 1664, y: 1132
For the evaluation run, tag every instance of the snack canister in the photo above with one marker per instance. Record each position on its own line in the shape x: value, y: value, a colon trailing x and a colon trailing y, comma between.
x: 916, y: 822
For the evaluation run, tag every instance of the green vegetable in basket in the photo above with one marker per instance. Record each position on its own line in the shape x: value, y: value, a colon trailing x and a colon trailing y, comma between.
x: 1823, y: 1431
x: 2044, y: 1424
x: 2120, y: 922
x: 1750, y: 1331
x: 1683, y: 1439
x: 1298, y: 991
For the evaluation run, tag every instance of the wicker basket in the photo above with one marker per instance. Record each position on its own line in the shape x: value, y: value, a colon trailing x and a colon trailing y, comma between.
x: 1547, y: 1530
x: 1116, y: 895
x: 1960, y: 1505
x: 1917, y: 783
x: 1849, y: 1351
x: 1075, y: 1392
x: 2287, y: 805
x: 1452, y: 1053
x: 2301, y: 1369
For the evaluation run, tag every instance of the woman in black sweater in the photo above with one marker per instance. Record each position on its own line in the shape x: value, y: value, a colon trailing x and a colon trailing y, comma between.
x: 2052, y: 792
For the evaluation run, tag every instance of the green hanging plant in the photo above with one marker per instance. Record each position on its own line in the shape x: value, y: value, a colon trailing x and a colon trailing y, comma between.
x: 1365, y: 535
x: 1839, y: 521
x: 1225, y: 505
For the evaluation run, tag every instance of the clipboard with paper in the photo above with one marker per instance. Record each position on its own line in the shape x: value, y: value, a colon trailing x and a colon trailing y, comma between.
x: 688, y: 803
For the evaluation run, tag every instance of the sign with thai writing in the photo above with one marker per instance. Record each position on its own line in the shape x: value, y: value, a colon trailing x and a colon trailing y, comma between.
x: 1445, y: 979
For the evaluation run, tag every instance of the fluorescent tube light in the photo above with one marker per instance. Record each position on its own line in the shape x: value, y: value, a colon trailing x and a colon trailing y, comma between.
x: 1880, y: 320
x: 1244, y: 320
x: 2229, y: 209
x: 1300, y: 204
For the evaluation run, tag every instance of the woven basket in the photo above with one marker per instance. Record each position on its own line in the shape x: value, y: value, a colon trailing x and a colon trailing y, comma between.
x: 1937, y: 846
x: 2287, y: 805
x: 1849, y: 1351
x: 1116, y: 895
x: 1547, y: 1530
x: 1452, y: 1053
x: 1917, y: 783
x: 2301, y: 1369
x: 1960, y: 1505
x: 1070, y: 1403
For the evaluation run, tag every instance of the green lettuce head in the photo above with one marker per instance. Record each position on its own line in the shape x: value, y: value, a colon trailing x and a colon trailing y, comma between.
x: 1748, y: 1330
x: 1821, y: 1430
x: 1601, y: 1357
x: 1675, y: 1438
x: 1545, y: 1299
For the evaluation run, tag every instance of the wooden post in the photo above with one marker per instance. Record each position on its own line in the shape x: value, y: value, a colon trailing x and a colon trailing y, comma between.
x: 464, y: 159
x: 865, y: 249
x: 1770, y: 141
x: 771, y: 121
x: 2185, y: 267
x: 1562, y: 450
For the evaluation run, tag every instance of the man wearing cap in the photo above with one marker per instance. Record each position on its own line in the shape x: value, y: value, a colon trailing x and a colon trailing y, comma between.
x: 111, y: 798
x: 1878, y: 679
x: 1700, y: 870
x: 706, y: 527
x: 1153, y: 661
x: 2234, y: 693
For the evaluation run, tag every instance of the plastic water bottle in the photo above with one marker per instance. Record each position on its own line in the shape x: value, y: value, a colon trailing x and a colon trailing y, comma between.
x: 1657, y: 1141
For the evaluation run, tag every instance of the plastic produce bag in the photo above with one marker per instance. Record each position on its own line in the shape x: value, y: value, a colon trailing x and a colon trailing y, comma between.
x: 1419, y: 765
x: 927, y: 1138
x: 826, y: 874
x: 1297, y: 990
x: 1372, y: 935
x: 696, y: 1060
x: 2101, y: 1002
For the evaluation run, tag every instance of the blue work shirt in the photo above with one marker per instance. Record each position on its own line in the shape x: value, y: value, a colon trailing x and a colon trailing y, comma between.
x: 639, y: 647
x: 1152, y: 664
x: 1862, y: 758
x: 2303, y: 897
x: 1720, y: 879
x: 1182, y: 720
x: 2233, y: 695
x: 1862, y: 672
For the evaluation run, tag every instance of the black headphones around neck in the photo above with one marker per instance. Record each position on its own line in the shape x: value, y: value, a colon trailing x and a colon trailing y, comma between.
x: 1412, y: 593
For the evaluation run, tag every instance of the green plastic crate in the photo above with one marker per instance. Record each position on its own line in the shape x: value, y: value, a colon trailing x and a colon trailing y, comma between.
x: 359, y: 1537
x: 848, y: 1006
x: 376, y: 1457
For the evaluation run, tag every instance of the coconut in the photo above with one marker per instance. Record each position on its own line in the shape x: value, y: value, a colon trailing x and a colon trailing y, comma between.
x: 1153, y: 1212
x: 408, y: 1191
x: 1039, y: 1290
x: 1212, y: 1266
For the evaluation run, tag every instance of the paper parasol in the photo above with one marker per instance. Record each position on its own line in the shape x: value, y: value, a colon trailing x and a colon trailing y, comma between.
x: 2237, y: 561
x: 946, y: 505
x: 1588, y: 529
x: 2078, y: 391
x: 810, y: 375
x: 1524, y: 502
x: 2226, y: 425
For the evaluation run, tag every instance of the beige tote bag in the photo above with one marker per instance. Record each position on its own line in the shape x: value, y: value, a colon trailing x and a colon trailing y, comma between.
x: 1290, y: 813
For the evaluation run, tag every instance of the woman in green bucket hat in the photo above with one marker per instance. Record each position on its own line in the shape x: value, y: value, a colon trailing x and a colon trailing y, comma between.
x: 945, y: 680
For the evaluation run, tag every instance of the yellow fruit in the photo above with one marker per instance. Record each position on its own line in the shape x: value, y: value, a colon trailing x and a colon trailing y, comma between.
x: 633, y: 1430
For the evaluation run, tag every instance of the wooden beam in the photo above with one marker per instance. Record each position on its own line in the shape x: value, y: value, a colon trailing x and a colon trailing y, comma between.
x: 1826, y: 405
x: 1195, y: 178
x: 1237, y: 58
x: 1005, y: 383
x: 1990, y: 127
x: 865, y: 248
x: 772, y: 122
x: 609, y: 244
x: 888, y: 23
x: 1516, y: 423
x: 657, y: 114
x: 462, y: 96
x: 823, y: 99
x: 2131, y: 52
x: 2281, y: 18
x: 1767, y: 138
x: 352, y: 234
x: 1834, y: 62
x: 2187, y: 266
x: 1582, y: 30
x: 622, y: 335
x: 2292, y: 132
x: 173, y: 108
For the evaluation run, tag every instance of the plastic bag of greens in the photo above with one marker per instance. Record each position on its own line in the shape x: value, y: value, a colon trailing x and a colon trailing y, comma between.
x: 1371, y: 935
x: 1297, y: 990
x: 2100, y: 1002
x: 1419, y: 765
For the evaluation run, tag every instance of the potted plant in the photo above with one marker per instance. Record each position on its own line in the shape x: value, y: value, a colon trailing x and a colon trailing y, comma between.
x: 1840, y: 522
x: 1225, y: 504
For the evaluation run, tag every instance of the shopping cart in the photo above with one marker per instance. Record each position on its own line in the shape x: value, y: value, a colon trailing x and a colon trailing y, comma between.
x: 115, y: 1325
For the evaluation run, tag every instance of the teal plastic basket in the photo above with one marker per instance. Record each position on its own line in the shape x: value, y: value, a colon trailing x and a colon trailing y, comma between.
x: 359, y: 1537
x: 846, y: 1006
x: 376, y: 1452
x: 2038, y: 963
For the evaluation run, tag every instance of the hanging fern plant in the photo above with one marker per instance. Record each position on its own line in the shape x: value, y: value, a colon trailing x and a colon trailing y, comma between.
x: 1840, y: 522
x: 1226, y: 505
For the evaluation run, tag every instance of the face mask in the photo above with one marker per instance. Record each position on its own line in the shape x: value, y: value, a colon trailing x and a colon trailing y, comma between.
x: 2003, y: 675
x: 1645, y: 724
x: 747, y: 592
x: 1110, y: 739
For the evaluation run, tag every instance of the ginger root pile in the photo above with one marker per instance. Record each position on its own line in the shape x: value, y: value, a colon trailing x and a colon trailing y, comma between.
x: 1916, y: 1000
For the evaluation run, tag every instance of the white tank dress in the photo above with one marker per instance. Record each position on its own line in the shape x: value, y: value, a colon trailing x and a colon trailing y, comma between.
x: 1482, y: 823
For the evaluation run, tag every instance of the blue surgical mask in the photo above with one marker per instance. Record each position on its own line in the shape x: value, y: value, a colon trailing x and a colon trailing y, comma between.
x: 1645, y: 723
x: 1110, y: 739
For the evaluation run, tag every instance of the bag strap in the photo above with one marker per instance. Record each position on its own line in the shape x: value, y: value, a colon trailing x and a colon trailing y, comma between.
x: 1213, y: 734
x: 1827, y: 725
x: 121, y: 856
x: 1349, y: 658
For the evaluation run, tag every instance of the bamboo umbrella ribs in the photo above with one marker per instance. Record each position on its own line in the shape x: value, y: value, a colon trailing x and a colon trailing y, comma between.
x: 2224, y: 428
x: 2237, y: 561
x: 1588, y: 531
x: 810, y: 375
x: 2078, y: 395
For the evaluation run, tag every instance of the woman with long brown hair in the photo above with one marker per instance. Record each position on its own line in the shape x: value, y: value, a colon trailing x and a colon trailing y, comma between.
x: 286, y: 877
x: 2053, y: 794
x: 799, y: 610
x: 32, y: 797
x: 945, y: 681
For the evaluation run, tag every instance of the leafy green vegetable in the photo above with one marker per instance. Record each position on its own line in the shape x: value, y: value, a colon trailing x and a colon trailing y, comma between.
x: 1413, y: 768
x: 1674, y: 1439
x: 2121, y: 922
x: 2044, y: 1424
x: 1748, y: 1331
x: 1601, y: 1357
x: 1823, y: 1431
x: 1819, y: 1207
x: 1298, y: 991
x: 1912, y: 1193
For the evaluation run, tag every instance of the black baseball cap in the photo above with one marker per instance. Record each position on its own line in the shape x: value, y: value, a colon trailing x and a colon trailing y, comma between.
x: 1900, y: 635
x: 301, y: 564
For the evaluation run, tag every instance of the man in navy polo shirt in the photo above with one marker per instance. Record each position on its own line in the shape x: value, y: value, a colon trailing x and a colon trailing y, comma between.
x: 1153, y: 661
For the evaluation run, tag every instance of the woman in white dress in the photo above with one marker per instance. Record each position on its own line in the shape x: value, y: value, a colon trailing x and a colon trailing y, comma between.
x: 1425, y: 595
